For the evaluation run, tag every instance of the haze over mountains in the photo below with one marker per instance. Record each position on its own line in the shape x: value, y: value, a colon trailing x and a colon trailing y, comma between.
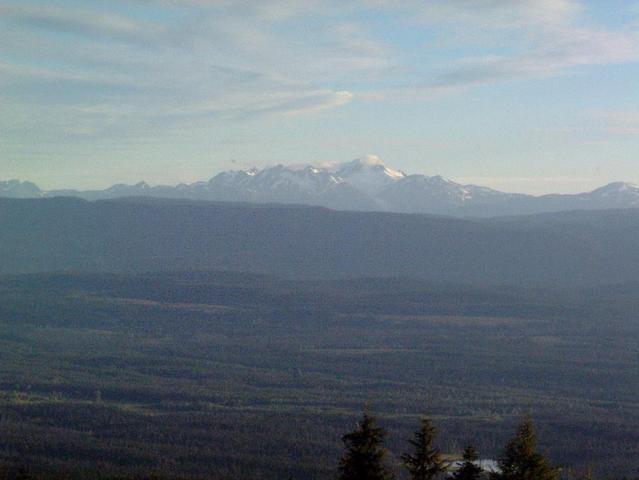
x: 365, y: 184
x: 142, y: 235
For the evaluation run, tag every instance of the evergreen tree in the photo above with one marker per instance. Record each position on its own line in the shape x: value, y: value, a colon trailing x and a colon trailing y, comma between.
x: 425, y: 463
x: 469, y: 470
x: 365, y: 452
x: 520, y: 459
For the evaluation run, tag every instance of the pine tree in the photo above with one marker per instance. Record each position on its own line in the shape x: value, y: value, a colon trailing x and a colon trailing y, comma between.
x: 426, y: 462
x: 469, y: 470
x: 521, y: 461
x: 365, y: 452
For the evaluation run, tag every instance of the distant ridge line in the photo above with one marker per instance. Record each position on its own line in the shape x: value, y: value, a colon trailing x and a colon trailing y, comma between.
x: 365, y: 184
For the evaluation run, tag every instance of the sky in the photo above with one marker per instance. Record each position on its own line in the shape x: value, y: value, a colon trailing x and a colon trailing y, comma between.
x: 533, y: 96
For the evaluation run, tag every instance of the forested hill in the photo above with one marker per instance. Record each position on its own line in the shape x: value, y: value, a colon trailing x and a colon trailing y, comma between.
x: 136, y: 235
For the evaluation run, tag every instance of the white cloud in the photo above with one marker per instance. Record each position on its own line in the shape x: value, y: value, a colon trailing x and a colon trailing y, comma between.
x: 233, y: 59
x: 525, y: 39
x: 127, y: 76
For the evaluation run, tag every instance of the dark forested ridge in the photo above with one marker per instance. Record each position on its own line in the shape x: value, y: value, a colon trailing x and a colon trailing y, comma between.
x: 138, y: 235
x: 228, y: 375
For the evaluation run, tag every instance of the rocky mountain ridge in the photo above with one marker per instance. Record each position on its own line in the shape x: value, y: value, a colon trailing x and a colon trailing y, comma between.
x: 365, y: 184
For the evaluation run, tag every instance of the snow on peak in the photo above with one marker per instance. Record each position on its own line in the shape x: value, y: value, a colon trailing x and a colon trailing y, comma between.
x: 369, y: 159
x: 368, y: 174
x: 616, y: 188
x: 369, y: 163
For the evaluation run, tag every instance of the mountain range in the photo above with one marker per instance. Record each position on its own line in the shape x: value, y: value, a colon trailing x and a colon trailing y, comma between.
x: 365, y: 184
x: 150, y: 234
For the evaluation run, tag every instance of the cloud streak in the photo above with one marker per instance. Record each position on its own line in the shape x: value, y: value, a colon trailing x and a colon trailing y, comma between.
x: 618, y: 122
x: 544, y: 38
x: 180, y: 61
x: 92, y: 25
x: 131, y: 75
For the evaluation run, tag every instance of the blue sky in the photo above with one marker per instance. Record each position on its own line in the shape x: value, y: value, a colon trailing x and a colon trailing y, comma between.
x: 522, y: 95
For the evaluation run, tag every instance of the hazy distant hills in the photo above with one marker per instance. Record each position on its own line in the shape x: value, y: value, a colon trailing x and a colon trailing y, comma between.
x: 365, y: 184
x: 17, y: 189
x: 135, y: 235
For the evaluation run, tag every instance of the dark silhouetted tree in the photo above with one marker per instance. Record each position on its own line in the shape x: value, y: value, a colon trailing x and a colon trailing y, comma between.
x: 520, y: 459
x: 425, y: 463
x: 365, y: 453
x: 469, y: 470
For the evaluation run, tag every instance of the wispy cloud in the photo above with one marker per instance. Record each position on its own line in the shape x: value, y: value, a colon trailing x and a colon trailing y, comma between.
x: 618, y: 122
x: 522, y: 40
x: 198, y: 65
x: 127, y: 64
x: 555, y: 53
x: 93, y: 25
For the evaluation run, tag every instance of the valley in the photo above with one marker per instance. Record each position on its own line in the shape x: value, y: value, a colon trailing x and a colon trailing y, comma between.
x: 195, y: 374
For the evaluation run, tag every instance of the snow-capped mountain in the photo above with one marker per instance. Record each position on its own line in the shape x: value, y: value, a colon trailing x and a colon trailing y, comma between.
x: 362, y: 184
x: 368, y: 174
x: 613, y: 195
